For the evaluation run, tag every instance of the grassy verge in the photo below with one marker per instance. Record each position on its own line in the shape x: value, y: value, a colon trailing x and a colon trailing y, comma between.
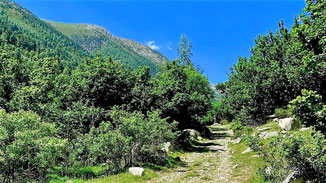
x: 247, y: 165
x: 125, y: 177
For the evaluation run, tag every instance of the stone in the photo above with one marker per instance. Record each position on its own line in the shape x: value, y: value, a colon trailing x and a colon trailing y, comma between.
x: 284, y: 132
x: 275, y: 120
x: 303, y: 129
x: 270, y: 134
x: 263, y: 129
x: 255, y: 156
x: 271, y: 116
x: 191, y: 133
x: 235, y: 166
x: 137, y: 171
x: 236, y: 141
x: 247, y: 150
x: 285, y: 123
x: 167, y: 147
x: 266, y: 135
x: 268, y: 171
x: 290, y: 177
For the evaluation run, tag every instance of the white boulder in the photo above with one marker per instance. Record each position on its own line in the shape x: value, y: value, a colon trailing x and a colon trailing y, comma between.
x: 137, y: 171
x: 286, y: 123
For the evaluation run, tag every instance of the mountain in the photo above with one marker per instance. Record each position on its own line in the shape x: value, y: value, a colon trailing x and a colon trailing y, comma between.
x: 93, y: 38
x: 26, y: 36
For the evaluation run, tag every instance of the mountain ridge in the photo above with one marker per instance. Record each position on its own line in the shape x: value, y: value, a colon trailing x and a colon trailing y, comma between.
x: 94, y: 38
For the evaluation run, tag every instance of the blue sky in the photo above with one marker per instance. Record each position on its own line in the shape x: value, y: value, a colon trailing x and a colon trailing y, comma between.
x: 220, y: 30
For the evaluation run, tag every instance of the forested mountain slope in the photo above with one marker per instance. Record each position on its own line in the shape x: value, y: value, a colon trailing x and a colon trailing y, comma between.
x: 94, y: 38
x: 27, y: 35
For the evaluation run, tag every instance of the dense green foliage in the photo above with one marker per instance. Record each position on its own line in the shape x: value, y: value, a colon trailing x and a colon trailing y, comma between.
x: 304, y: 153
x: 83, y: 112
x: 309, y: 110
x: 281, y: 65
x: 28, y: 146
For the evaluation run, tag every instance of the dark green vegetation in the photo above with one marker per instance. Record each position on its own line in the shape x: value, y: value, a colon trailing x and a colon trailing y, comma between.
x: 95, y: 39
x: 64, y: 113
x: 286, y: 73
x: 281, y: 65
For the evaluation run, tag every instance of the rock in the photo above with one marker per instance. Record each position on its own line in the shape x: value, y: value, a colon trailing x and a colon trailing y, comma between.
x: 284, y: 132
x: 290, y: 177
x: 191, y: 133
x: 255, y: 156
x: 235, y: 166
x: 275, y: 120
x: 285, y: 123
x: 266, y: 135
x: 303, y: 129
x: 268, y: 171
x: 167, y: 147
x: 247, y: 150
x: 236, y: 141
x: 271, y: 116
x: 263, y: 129
x: 270, y: 134
x: 137, y: 171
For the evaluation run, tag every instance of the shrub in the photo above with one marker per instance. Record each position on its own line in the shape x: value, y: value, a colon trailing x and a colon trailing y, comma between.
x: 130, y: 139
x: 282, y: 113
x: 28, y: 148
x: 309, y: 109
x: 239, y: 129
x: 304, y: 152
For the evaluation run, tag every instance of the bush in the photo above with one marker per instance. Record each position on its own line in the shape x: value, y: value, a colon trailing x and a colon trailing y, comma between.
x: 282, y: 113
x: 309, y: 110
x: 304, y: 152
x: 239, y: 129
x: 130, y: 139
x: 28, y: 148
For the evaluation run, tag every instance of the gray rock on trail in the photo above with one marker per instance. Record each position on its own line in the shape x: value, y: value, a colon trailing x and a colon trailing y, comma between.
x: 286, y: 123
x: 236, y: 141
x: 263, y: 129
x: 266, y: 135
x: 137, y: 171
x: 247, y: 150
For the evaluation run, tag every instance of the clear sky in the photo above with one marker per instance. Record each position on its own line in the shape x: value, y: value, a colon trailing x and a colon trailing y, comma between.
x: 220, y: 30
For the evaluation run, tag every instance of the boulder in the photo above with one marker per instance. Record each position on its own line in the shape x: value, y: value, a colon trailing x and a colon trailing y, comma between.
x: 247, y: 150
x: 286, y: 123
x: 137, y: 171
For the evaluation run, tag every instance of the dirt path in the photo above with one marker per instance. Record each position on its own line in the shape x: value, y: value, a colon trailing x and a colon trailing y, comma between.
x: 210, y: 162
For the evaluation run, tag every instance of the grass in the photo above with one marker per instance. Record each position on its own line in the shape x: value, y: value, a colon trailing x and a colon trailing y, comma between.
x: 248, y: 166
x: 125, y: 177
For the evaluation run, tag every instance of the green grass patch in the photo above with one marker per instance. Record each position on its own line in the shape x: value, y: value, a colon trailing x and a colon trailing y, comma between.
x: 191, y: 174
x: 125, y: 177
x: 248, y: 166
